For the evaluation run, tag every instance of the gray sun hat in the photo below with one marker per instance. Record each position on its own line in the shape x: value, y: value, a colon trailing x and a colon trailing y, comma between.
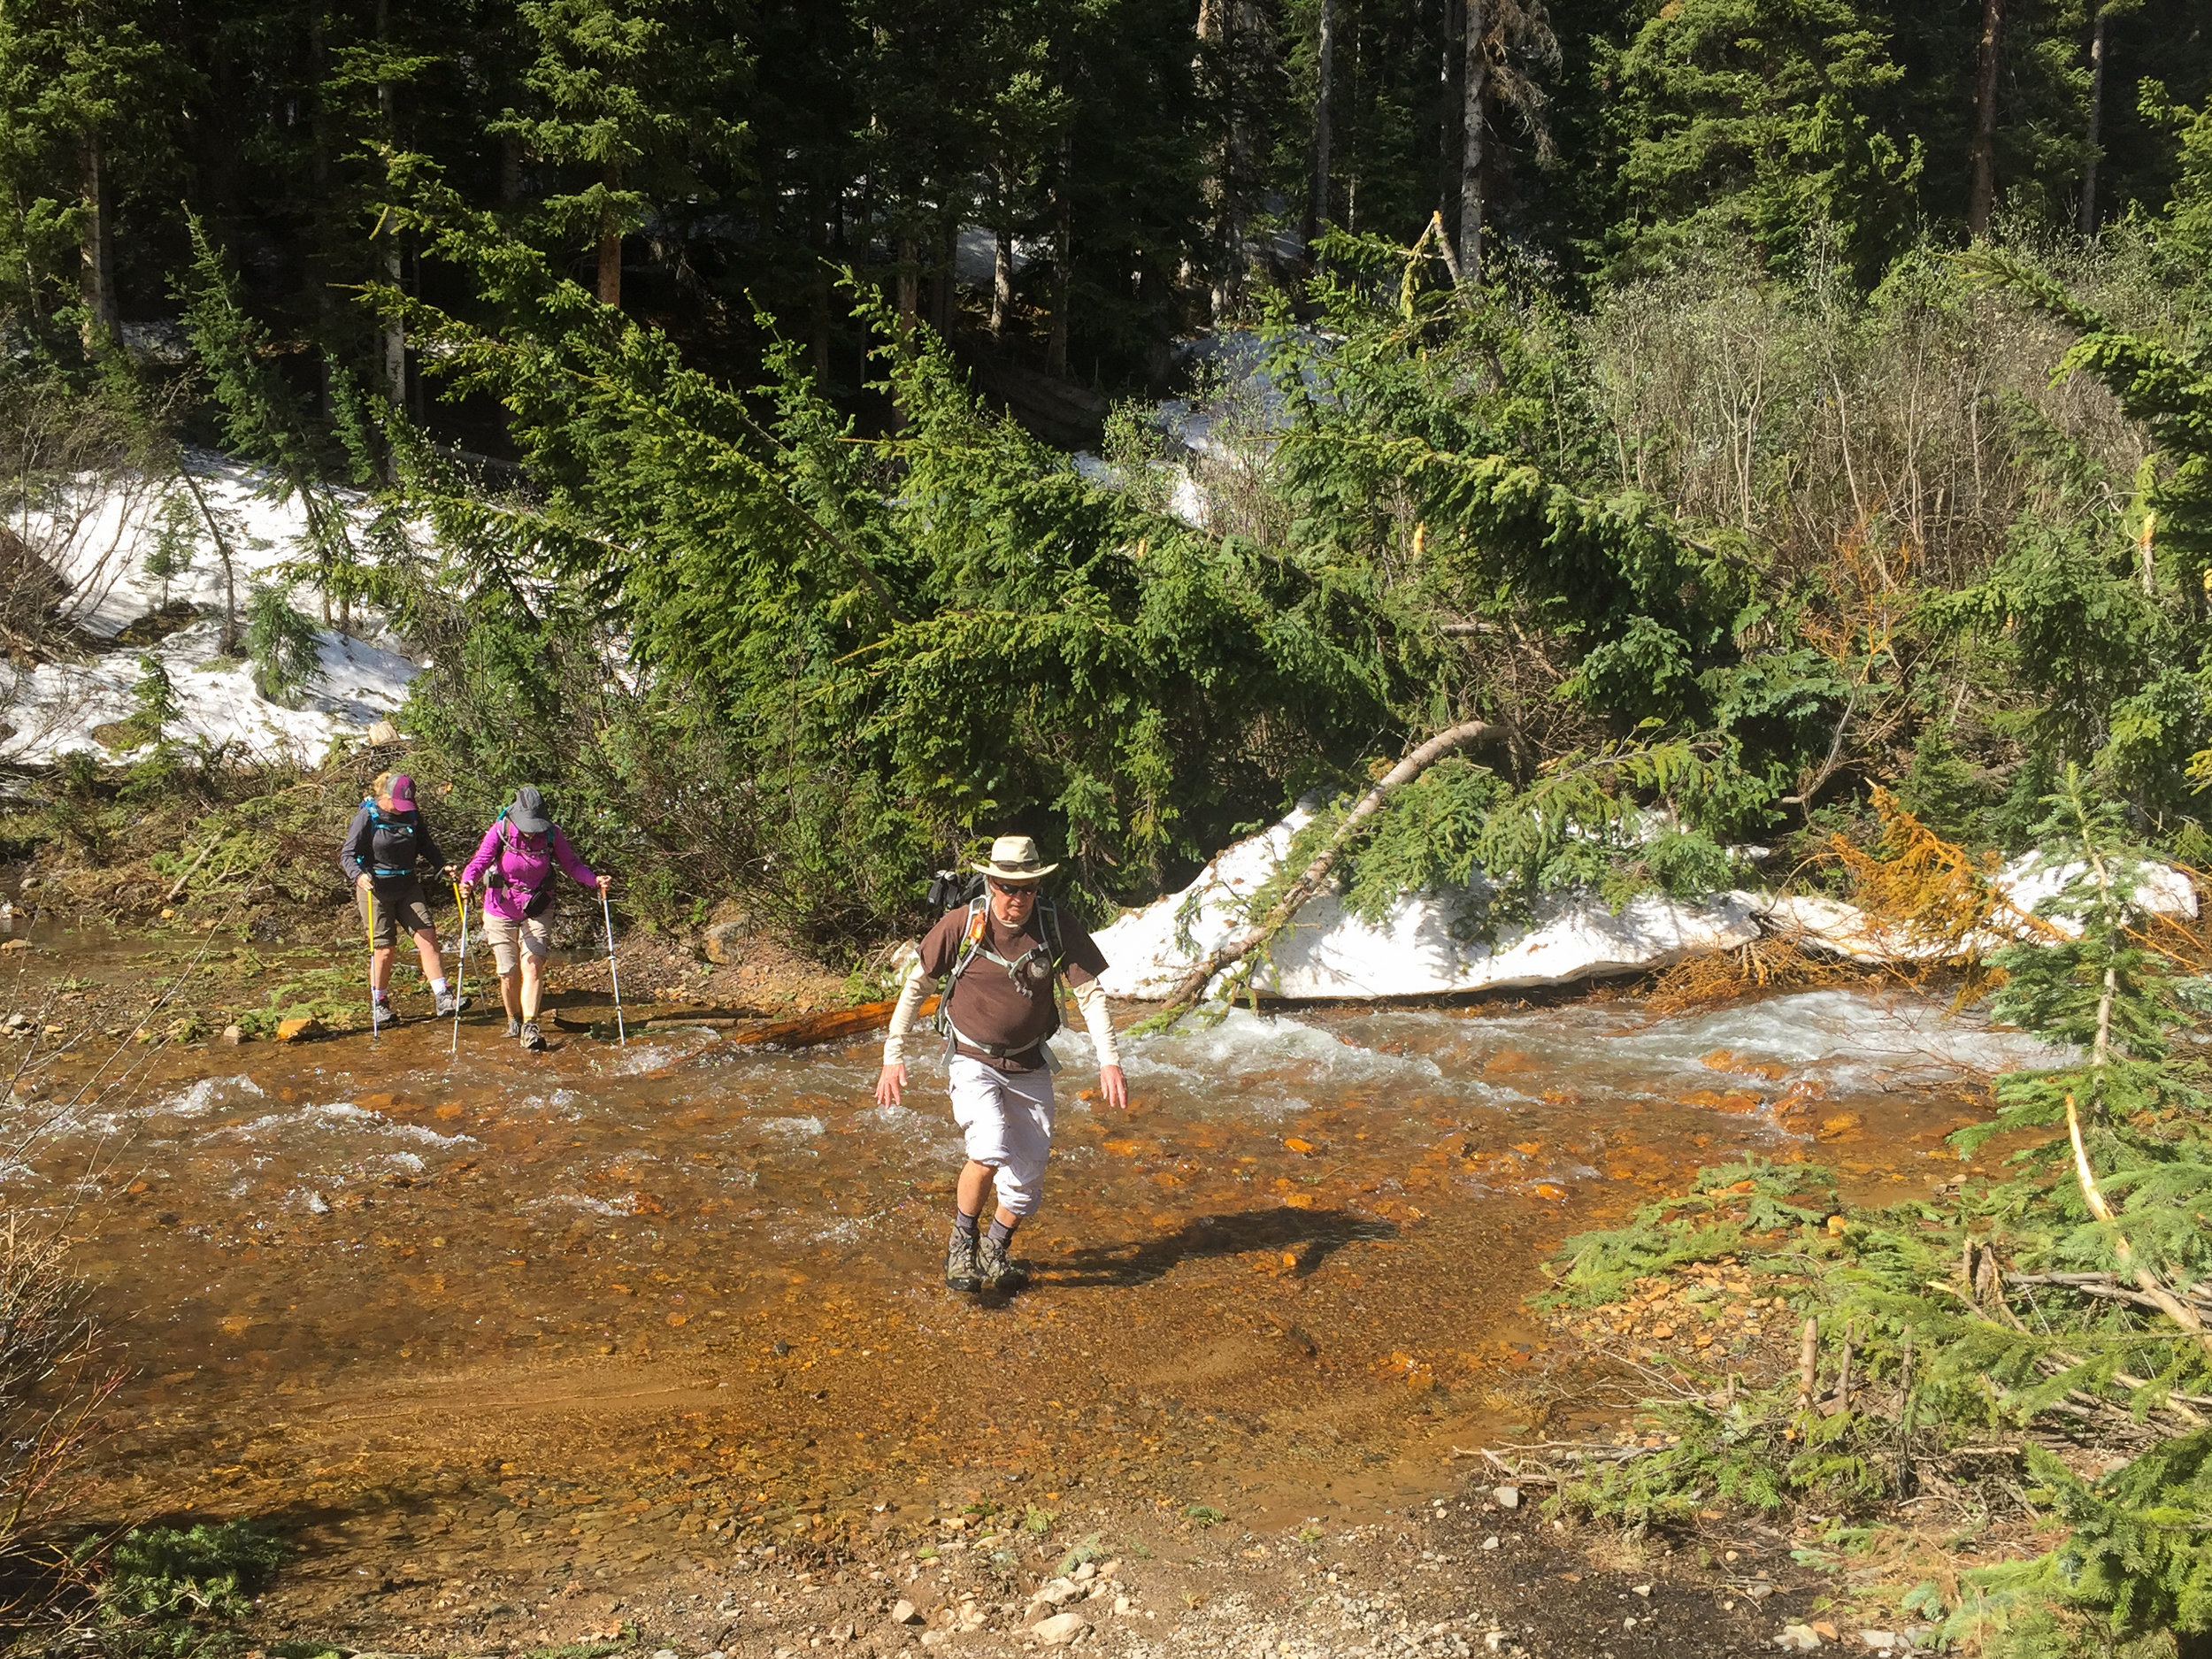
x: 529, y: 813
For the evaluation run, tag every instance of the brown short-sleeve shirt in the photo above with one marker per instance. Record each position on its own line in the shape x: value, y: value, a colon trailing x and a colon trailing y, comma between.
x: 1011, y: 1012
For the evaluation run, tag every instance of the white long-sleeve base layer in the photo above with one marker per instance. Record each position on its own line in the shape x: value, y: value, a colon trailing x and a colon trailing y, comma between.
x: 1090, y: 1002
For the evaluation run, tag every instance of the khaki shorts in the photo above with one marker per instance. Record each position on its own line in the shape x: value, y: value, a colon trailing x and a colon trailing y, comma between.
x: 399, y: 903
x: 511, y: 942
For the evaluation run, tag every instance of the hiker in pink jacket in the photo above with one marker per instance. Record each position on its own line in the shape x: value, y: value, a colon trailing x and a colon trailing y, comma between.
x: 513, y: 868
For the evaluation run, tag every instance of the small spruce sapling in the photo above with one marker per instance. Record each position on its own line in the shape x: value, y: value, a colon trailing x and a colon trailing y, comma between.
x: 155, y: 705
x: 176, y: 529
x: 281, y: 643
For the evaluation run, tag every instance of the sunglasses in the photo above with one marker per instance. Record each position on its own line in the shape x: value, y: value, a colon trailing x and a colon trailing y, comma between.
x: 1014, y: 890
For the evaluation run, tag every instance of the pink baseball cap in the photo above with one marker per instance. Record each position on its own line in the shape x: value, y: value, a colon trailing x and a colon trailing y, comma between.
x: 404, y: 792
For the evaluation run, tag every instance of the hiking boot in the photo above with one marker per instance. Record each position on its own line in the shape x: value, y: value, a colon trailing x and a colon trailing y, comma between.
x: 960, y: 1254
x: 995, y: 1269
x: 449, y: 1004
x: 383, y: 1014
x: 514, y: 1027
x: 531, y: 1039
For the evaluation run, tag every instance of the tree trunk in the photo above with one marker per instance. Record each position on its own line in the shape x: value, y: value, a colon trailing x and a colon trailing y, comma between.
x: 943, y: 294
x: 1223, y: 24
x: 97, y: 247
x: 395, y: 336
x: 1002, y: 279
x: 229, y: 646
x: 1249, y: 938
x: 1324, y: 78
x: 910, y: 288
x: 1474, y: 115
x: 1982, y: 187
x: 394, y: 330
x: 1063, y: 270
x: 2096, y: 123
x: 610, y: 268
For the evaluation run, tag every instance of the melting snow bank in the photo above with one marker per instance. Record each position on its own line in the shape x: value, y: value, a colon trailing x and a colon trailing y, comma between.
x: 1429, y: 944
x: 1424, y: 947
x: 95, y: 543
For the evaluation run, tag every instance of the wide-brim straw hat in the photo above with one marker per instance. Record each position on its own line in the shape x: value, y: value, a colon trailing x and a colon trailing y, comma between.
x: 1016, y: 858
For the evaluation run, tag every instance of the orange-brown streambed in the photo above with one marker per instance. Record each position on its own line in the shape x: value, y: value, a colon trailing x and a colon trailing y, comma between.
x: 546, y: 1307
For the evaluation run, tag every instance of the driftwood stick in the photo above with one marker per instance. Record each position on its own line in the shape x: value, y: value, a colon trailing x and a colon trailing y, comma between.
x: 2152, y: 1287
x: 1843, y: 1374
x: 178, y: 887
x: 1249, y: 938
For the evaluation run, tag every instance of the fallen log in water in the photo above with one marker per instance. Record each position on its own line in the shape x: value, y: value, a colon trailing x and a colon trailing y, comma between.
x: 749, y: 1027
x: 808, y: 1030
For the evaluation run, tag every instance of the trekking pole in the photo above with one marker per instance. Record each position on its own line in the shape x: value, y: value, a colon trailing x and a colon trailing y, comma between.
x: 613, y: 973
x: 372, y: 962
x: 460, y: 973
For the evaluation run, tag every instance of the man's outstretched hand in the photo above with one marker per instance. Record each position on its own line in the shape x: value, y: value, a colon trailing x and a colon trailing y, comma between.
x: 1115, y: 1087
x: 890, y: 1082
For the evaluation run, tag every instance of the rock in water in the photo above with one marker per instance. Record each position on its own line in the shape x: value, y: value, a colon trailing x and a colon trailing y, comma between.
x: 1426, y: 945
x: 299, y: 1030
x: 233, y: 1034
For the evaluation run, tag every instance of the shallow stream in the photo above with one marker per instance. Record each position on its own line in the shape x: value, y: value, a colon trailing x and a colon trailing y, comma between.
x: 1290, y: 1276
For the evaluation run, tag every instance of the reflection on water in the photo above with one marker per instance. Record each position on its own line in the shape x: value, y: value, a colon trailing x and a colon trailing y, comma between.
x: 332, y: 1220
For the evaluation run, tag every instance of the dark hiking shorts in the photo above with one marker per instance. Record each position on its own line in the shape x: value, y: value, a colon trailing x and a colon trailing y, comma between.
x: 399, y: 903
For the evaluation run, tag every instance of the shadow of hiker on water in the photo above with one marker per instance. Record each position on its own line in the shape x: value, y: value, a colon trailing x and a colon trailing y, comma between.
x: 1309, y: 1235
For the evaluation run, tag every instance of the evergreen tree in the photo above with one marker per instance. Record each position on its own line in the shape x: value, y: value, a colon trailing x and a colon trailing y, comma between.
x: 630, y: 106
x: 88, y: 92
x: 1761, y: 119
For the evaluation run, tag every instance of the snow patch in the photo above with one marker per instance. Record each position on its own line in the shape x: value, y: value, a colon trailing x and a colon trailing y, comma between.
x: 1419, y: 948
x: 98, y: 545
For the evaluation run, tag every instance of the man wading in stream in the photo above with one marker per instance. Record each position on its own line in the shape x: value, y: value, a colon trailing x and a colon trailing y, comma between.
x: 999, y: 957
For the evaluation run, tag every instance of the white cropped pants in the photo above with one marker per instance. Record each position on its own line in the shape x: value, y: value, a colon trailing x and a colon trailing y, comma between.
x: 1006, y: 1119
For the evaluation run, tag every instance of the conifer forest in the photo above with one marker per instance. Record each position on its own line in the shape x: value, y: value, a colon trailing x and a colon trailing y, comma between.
x: 1770, y: 441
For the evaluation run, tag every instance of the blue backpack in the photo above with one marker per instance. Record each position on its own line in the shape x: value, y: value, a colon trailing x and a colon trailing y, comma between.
x: 400, y: 823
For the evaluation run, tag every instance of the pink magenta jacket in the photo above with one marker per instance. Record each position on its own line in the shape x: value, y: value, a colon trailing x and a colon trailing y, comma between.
x: 523, y: 871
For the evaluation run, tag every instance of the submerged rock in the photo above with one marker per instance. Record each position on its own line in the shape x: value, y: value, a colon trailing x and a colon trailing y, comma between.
x: 1426, y: 945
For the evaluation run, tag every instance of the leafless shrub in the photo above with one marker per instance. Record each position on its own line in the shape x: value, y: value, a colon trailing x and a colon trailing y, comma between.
x: 77, y: 475
x: 1808, y: 416
x: 56, y: 1376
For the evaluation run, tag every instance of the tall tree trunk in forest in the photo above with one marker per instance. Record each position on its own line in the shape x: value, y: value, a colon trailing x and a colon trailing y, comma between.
x: 610, y: 268
x: 96, y: 246
x: 910, y: 288
x: 943, y: 299
x: 1982, y: 187
x: 394, y: 330
x: 1062, y: 272
x: 1474, y: 116
x: 1225, y: 25
x: 1002, y: 277
x: 2096, y: 121
x: 1324, y: 78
